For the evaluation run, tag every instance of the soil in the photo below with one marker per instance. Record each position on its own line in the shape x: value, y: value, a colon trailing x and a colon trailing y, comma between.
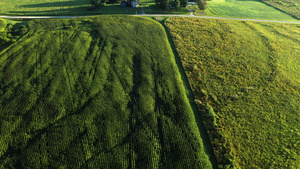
x: 201, y: 13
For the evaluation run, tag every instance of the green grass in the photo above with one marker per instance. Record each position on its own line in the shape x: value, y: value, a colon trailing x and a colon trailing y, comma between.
x: 44, y: 7
x: 2, y: 24
x: 289, y: 6
x: 245, y: 9
x: 91, y: 93
x: 245, y: 77
x: 78, y: 7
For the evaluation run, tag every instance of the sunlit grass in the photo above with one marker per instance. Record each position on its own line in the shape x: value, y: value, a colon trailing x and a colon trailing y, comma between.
x: 254, y: 9
x: 247, y: 74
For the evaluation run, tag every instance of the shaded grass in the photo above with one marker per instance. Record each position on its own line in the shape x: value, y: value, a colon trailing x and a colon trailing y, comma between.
x: 44, y: 7
x: 71, y: 7
x: 245, y: 77
x: 90, y: 93
x: 254, y: 9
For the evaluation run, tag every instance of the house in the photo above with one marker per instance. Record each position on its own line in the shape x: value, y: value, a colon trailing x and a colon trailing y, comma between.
x: 130, y: 3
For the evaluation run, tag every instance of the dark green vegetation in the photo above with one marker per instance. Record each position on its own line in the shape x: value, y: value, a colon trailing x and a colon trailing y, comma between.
x: 245, y: 77
x: 11, y: 32
x: 202, y: 4
x: 289, y: 6
x: 91, y: 93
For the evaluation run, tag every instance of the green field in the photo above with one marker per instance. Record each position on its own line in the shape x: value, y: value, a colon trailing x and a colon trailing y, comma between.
x: 91, y: 93
x: 78, y: 7
x: 289, y: 6
x: 44, y: 7
x: 245, y: 9
x: 245, y: 77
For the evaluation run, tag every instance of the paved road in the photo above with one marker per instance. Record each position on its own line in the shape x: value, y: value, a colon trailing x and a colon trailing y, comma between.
x: 59, y: 17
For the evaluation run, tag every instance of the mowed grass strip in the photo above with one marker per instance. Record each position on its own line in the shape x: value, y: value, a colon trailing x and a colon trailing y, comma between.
x: 92, y: 93
x: 245, y: 77
x: 255, y: 9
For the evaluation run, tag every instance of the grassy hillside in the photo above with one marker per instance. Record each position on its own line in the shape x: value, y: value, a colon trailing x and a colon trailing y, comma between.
x: 245, y: 77
x: 102, y: 92
x: 289, y: 6
x: 245, y: 9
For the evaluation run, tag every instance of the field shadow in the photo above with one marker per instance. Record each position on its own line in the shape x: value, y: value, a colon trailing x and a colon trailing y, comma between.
x: 117, y: 9
x: 54, y: 4
x: 65, y: 11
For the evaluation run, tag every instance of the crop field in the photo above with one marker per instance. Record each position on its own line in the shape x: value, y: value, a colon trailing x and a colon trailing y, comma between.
x: 289, y: 6
x: 245, y: 9
x: 245, y: 77
x: 95, y: 93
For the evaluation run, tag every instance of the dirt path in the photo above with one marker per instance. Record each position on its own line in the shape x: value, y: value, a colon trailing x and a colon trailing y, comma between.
x: 191, y: 11
x: 211, y: 17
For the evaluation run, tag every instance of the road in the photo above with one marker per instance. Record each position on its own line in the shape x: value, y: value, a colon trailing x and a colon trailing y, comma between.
x: 211, y: 17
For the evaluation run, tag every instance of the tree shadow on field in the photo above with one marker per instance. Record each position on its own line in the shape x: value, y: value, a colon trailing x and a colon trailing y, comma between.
x: 56, y: 4
x: 65, y: 11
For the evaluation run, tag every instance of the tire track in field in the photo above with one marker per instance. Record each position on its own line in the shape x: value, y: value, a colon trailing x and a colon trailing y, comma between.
x: 160, y: 134
x: 63, y: 45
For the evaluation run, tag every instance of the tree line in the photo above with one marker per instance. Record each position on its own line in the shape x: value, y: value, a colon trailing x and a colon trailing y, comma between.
x: 162, y: 4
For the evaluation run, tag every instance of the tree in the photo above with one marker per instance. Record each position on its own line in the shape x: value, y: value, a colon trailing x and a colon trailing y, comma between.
x: 162, y: 4
x: 96, y: 3
x: 177, y: 4
x: 183, y: 3
x: 202, y: 5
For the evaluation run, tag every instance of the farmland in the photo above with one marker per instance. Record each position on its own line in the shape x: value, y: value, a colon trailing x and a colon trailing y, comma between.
x: 245, y: 77
x: 245, y: 9
x: 289, y: 6
x: 89, y: 93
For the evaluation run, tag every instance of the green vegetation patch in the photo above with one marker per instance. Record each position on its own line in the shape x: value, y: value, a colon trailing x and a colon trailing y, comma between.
x: 2, y: 25
x: 91, y: 93
x: 44, y: 7
x: 246, y: 9
x: 245, y: 77
x: 289, y: 6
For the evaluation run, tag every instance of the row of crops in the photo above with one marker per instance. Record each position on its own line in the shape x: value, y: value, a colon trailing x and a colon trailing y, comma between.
x: 89, y: 93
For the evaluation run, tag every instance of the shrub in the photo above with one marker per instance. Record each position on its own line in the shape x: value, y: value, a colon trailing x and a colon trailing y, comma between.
x: 2, y: 24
